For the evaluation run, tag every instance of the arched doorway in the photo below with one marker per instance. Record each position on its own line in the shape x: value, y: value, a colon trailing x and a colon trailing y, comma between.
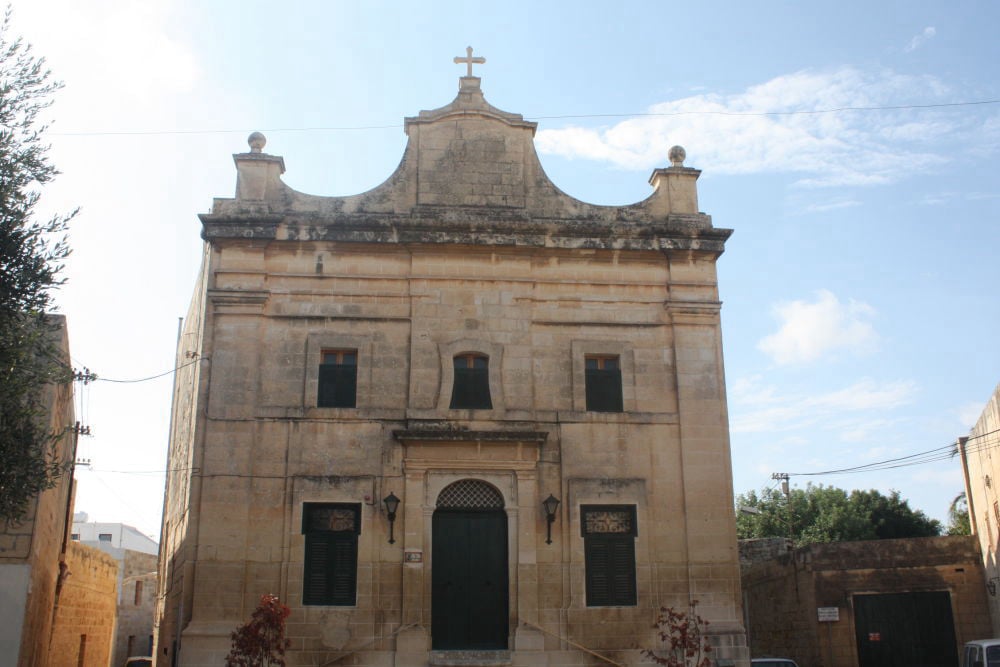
x: 469, y: 598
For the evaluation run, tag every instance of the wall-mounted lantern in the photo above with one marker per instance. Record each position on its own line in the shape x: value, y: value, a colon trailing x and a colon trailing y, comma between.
x: 551, y: 504
x: 391, y: 505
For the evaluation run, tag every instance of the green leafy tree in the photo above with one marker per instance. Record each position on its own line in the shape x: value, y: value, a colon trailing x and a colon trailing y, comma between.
x: 31, y: 255
x: 958, y: 516
x: 829, y: 514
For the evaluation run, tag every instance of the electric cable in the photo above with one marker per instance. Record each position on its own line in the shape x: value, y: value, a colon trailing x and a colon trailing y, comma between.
x: 97, y: 378
x: 920, y: 458
x: 696, y: 112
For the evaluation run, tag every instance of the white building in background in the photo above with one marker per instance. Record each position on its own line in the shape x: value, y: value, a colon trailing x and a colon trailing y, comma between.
x: 137, y: 557
x: 111, y: 537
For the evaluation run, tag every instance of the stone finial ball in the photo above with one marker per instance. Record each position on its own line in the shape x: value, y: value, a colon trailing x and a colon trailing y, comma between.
x: 256, y: 141
x: 677, y: 155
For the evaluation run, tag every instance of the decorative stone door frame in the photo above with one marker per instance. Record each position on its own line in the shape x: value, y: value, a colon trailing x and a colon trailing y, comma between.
x: 434, y: 459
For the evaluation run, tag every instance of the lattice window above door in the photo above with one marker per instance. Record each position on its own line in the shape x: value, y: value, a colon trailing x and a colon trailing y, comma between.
x: 470, y: 494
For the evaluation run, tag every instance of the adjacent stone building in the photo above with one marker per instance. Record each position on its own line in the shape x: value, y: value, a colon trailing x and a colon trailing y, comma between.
x: 84, y: 620
x: 462, y: 418
x: 982, y: 476
x: 864, y: 604
x: 32, y: 550
x: 136, y: 555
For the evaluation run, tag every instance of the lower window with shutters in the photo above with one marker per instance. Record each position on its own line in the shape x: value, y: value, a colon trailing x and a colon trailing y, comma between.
x: 609, y: 533
x: 330, y: 575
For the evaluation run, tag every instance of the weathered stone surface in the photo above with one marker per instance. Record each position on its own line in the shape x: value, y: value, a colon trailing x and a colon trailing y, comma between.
x: 32, y: 549
x: 84, y: 621
x: 982, y: 481
x: 466, y: 248
x: 784, y: 591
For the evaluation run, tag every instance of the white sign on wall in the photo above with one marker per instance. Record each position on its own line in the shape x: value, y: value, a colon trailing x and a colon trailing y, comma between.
x: 828, y: 614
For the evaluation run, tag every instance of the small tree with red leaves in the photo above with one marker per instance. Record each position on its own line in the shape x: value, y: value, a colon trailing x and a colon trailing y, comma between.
x: 261, y: 642
x: 683, y: 634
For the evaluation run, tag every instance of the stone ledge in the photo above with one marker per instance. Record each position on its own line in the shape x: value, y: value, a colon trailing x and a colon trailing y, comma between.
x: 469, y: 658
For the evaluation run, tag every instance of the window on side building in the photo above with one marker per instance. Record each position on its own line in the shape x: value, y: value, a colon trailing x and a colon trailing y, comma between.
x: 338, y: 379
x: 609, y: 533
x: 330, y: 573
x: 604, y: 383
x: 471, y: 388
x: 104, y: 537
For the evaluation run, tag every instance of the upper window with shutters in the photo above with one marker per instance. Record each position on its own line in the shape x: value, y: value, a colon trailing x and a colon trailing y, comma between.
x: 604, y: 380
x: 604, y: 383
x: 338, y: 379
x: 471, y: 385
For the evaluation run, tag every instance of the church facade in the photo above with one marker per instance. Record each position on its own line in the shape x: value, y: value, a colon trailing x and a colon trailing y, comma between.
x: 462, y: 418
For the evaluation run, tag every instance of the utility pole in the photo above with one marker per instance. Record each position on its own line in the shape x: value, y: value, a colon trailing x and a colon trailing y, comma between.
x: 783, y: 477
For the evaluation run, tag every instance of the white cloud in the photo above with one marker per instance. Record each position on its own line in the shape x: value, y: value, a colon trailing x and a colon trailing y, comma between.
x: 918, y: 40
x: 865, y: 394
x: 770, y: 128
x: 969, y: 414
x: 939, y: 199
x: 858, y: 412
x: 130, y: 55
x: 129, y: 66
x: 834, y: 205
x: 811, y: 329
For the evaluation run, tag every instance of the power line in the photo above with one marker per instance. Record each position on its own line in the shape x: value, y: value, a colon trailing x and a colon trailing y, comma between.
x: 87, y: 376
x: 803, y: 112
x: 353, y: 128
x: 920, y: 458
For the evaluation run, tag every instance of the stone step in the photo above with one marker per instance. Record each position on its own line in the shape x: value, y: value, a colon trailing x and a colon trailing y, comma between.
x: 469, y: 659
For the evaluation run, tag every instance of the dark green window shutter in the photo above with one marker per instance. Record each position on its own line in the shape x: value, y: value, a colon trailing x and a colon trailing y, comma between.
x: 610, y: 567
x: 604, y: 390
x: 314, y: 586
x: 622, y: 555
x: 344, y: 569
x: 471, y: 389
x: 609, y: 533
x: 330, y: 570
x: 338, y: 386
x: 598, y: 583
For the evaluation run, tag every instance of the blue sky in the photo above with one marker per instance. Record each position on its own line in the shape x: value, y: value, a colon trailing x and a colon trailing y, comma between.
x: 859, y: 287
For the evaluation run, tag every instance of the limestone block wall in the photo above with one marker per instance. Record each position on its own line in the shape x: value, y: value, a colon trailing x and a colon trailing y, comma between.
x: 407, y: 314
x: 467, y: 248
x: 31, y: 548
x: 982, y: 477
x: 177, y: 540
x: 136, y: 606
x: 83, y: 631
x: 782, y: 594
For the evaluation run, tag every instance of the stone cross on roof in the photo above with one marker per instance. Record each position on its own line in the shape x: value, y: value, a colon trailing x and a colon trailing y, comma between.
x: 468, y: 60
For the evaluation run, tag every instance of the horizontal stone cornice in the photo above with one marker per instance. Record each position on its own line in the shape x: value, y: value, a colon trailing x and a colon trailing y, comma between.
x: 241, y: 297
x: 620, y: 230
x: 459, y: 435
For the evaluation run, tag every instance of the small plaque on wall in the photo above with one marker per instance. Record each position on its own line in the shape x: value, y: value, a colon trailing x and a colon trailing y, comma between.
x: 413, y: 556
x: 828, y: 614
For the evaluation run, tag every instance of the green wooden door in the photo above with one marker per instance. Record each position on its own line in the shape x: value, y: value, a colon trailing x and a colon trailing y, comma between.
x: 905, y: 630
x: 469, y: 604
